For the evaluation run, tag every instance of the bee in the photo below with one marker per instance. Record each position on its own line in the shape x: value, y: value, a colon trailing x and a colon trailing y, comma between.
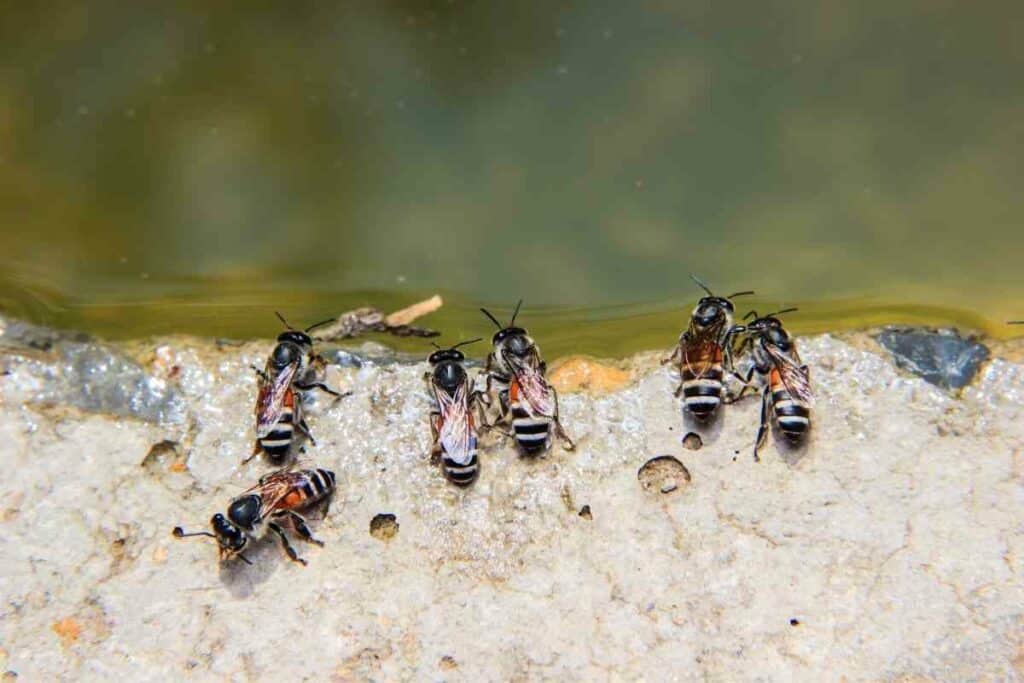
x: 293, y: 367
x: 786, y: 391
x: 516, y: 372
x: 275, y: 498
x: 703, y: 353
x: 452, y: 422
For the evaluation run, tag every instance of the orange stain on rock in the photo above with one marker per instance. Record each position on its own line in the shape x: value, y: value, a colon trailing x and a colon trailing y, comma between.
x: 584, y: 374
x: 68, y: 630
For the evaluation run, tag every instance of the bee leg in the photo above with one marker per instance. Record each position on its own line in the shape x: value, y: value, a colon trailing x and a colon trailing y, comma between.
x: 300, y: 526
x: 435, y: 447
x: 255, y: 451
x: 731, y: 398
x: 304, y: 428
x: 675, y: 354
x: 285, y: 544
x: 568, y: 443
x: 762, y: 429
x: 324, y: 388
x: 262, y: 375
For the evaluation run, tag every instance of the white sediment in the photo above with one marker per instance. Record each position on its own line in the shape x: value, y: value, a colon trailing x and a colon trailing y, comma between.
x: 893, y: 542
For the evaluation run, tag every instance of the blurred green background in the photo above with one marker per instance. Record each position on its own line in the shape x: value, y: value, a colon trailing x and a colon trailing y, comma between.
x: 186, y: 167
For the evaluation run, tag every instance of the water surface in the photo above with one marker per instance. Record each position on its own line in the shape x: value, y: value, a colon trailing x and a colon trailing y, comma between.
x: 191, y: 169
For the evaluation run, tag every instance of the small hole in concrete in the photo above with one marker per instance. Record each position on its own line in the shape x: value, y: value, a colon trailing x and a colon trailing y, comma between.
x: 693, y: 441
x: 384, y: 526
x: 794, y: 622
x: 663, y: 474
x: 585, y: 512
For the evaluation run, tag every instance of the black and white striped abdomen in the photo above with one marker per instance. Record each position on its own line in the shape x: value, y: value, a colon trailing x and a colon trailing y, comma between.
x: 319, y: 484
x: 279, y: 440
x: 702, y: 395
x: 532, y: 433
x: 793, y: 416
x: 461, y: 474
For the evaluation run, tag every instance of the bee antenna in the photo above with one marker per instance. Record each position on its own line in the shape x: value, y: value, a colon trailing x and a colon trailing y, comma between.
x: 320, y: 324
x: 281, y: 318
x: 434, y: 344
x: 752, y: 314
x: 178, y: 532
x: 784, y: 310
x: 245, y: 559
x: 701, y: 284
x: 515, y: 313
x: 470, y: 341
x: 493, y: 319
x: 1015, y: 322
x: 733, y: 296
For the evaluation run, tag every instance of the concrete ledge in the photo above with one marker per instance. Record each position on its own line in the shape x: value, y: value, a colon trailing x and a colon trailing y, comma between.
x: 889, y: 547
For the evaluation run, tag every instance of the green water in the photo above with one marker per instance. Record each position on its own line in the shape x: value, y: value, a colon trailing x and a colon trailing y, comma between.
x: 181, y: 168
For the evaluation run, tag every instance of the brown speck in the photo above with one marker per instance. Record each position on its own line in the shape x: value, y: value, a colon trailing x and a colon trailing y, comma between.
x: 693, y: 441
x: 160, y: 554
x: 585, y: 512
x: 384, y: 526
x: 448, y: 662
x: 68, y: 630
x: 663, y: 474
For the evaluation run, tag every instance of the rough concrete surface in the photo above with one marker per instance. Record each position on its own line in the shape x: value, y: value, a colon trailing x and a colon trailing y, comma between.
x: 889, y: 548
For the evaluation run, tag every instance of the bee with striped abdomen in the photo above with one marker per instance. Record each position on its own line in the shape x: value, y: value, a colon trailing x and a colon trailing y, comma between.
x: 293, y: 367
x: 275, y: 498
x: 452, y: 422
x: 703, y: 353
x: 786, y: 381
x: 516, y: 373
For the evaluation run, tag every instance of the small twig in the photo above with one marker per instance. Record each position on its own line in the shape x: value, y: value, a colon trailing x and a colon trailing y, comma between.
x: 369, y: 319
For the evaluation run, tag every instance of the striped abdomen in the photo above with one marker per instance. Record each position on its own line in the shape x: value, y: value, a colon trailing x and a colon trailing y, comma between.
x: 703, y: 394
x: 532, y: 433
x: 792, y: 415
x: 461, y: 474
x: 312, y: 487
x: 277, y: 443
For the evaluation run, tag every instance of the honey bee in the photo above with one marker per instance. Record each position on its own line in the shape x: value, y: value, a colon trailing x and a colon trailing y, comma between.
x: 452, y: 422
x: 275, y: 498
x: 786, y: 381
x: 703, y: 353
x: 293, y: 367
x: 516, y: 372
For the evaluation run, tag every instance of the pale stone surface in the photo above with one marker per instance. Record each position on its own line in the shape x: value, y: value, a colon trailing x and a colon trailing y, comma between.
x: 895, y: 538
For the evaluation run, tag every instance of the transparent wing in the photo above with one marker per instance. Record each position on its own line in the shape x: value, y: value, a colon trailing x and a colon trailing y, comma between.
x: 794, y: 375
x: 270, y: 403
x: 274, y: 488
x: 457, y: 434
x: 533, y: 385
x: 702, y: 350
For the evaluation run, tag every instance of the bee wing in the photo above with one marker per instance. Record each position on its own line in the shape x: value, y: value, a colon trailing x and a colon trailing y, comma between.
x: 533, y: 385
x: 456, y: 435
x: 794, y: 374
x: 701, y: 350
x: 274, y: 487
x: 270, y: 402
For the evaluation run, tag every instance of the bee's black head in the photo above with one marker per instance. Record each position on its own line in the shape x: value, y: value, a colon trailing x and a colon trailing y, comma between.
x: 446, y: 355
x: 770, y: 329
x: 245, y: 511
x: 231, y: 538
x: 711, y: 310
x: 449, y: 374
x: 512, y: 338
x: 295, y: 337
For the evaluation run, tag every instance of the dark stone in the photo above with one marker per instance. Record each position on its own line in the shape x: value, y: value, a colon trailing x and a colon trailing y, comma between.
x: 941, y: 357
